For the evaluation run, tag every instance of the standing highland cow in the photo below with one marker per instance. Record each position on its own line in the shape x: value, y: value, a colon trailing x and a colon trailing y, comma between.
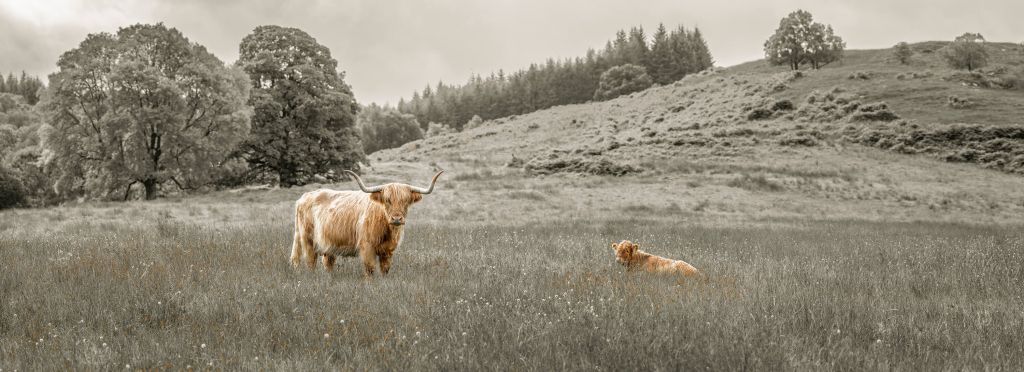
x: 366, y: 223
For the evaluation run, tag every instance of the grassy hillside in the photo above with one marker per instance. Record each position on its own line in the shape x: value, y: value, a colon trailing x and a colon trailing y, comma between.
x: 831, y: 242
x: 692, y: 147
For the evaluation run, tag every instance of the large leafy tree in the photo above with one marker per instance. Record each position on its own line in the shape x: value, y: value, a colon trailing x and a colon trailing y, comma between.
x: 304, y: 122
x: 144, y: 106
x: 799, y: 40
x: 967, y: 51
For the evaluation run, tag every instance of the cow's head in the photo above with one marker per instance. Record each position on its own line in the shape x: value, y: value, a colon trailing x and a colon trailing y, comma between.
x: 395, y: 197
x: 624, y: 251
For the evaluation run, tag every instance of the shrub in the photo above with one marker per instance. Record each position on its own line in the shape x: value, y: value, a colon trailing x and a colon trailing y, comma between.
x: 902, y: 52
x: 859, y: 75
x: 438, y: 129
x: 958, y: 103
x: 620, y: 80
x: 760, y: 113
x: 11, y: 192
x: 474, y: 122
x: 878, y: 111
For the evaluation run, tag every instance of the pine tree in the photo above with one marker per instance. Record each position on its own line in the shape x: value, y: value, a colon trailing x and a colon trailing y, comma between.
x: 660, y: 66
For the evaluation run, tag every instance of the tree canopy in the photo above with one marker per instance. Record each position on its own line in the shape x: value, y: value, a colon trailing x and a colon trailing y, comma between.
x: 384, y: 128
x: 668, y: 57
x: 142, y: 106
x: 620, y: 80
x: 305, y: 113
x: 967, y: 51
x: 799, y: 40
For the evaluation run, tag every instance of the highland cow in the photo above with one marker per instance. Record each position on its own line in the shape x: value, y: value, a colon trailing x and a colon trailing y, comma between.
x: 629, y: 254
x: 366, y: 223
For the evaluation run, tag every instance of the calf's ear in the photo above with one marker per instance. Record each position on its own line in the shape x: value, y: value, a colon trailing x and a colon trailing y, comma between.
x: 416, y: 196
x: 375, y: 196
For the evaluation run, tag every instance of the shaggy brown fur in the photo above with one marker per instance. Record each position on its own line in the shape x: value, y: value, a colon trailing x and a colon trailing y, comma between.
x: 630, y: 255
x: 332, y: 223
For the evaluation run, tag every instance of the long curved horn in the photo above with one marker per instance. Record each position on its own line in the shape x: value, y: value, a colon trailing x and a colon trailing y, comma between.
x: 368, y: 190
x: 429, y: 189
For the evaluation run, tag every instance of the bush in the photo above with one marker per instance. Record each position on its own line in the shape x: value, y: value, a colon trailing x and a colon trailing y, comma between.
x: 11, y: 192
x: 620, y: 80
x: 859, y: 75
x: 958, y: 103
x: 438, y: 129
x: 474, y: 122
x: 878, y: 111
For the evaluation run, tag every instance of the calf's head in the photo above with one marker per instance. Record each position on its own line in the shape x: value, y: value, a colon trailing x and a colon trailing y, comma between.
x: 395, y: 197
x: 625, y: 250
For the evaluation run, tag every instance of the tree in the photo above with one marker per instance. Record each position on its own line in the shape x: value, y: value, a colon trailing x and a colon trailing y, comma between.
x: 661, y: 57
x: 967, y: 51
x: 902, y: 52
x: 620, y: 80
x: 384, y: 128
x: 799, y: 40
x: 142, y: 106
x: 11, y: 192
x: 304, y: 122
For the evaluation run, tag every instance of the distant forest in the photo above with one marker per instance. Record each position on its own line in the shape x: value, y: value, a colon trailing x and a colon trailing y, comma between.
x: 667, y: 57
x: 25, y: 86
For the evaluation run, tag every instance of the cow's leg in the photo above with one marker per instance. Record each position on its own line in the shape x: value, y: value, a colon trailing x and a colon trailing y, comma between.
x: 329, y: 262
x: 367, y: 255
x: 385, y: 263
x: 296, y: 249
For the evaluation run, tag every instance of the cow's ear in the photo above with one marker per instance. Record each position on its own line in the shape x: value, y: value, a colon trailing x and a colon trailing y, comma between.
x: 416, y: 197
x: 614, y: 245
x: 375, y: 196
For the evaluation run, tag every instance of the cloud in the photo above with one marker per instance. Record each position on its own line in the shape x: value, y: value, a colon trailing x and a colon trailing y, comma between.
x: 390, y: 48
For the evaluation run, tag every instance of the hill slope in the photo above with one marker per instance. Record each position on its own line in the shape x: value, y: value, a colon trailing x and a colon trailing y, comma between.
x: 700, y: 146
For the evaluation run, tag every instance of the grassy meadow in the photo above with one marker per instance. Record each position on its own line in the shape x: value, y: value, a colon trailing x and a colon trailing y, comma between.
x: 146, y: 290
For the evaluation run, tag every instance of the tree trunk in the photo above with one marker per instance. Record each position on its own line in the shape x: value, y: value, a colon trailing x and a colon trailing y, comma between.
x: 285, y: 177
x: 150, y: 184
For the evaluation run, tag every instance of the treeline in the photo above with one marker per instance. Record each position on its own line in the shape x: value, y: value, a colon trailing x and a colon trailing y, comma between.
x: 666, y: 56
x: 144, y: 111
x: 25, y: 86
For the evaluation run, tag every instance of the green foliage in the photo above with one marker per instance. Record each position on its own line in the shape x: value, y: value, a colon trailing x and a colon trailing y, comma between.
x: 26, y: 86
x: 967, y: 51
x: 12, y: 194
x: 995, y: 147
x: 438, y: 129
x: 142, y: 106
x: 304, y: 123
x: 20, y: 150
x: 474, y: 122
x: 799, y: 40
x: 384, y: 128
x: 902, y: 52
x: 668, y: 57
x: 620, y: 80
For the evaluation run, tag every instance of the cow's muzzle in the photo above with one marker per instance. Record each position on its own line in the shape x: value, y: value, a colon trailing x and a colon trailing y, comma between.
x: 397, y: 222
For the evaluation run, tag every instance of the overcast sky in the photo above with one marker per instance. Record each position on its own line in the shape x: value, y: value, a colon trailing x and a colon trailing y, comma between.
x: 389, y: 48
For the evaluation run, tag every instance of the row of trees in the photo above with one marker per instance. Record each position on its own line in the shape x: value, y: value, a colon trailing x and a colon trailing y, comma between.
x: 25, y: 86
x: 665, y: 57
x: 144, y: 108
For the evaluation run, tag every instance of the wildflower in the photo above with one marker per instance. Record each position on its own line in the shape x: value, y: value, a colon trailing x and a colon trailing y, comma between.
x: 202, y: 346
x: 327, y: 335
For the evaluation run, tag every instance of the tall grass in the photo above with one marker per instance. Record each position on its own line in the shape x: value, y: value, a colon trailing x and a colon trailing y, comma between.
x: 808, y: 296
